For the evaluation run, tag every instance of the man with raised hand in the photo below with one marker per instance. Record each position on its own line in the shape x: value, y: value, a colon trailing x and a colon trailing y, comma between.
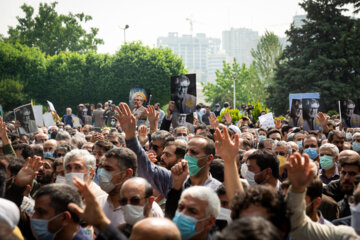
x: 200, y: 154
x: 301, y: 172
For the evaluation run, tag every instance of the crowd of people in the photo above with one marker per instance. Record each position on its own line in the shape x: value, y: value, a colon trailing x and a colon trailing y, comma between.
x: 128, y: 174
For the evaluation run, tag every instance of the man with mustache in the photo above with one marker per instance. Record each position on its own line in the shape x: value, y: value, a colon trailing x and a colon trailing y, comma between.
x: 341, y: 189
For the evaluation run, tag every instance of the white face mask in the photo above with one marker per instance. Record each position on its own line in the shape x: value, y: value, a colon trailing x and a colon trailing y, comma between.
x: 105, y: 180
x: 250, y: 178
x: 243, y: 169
x: 60, y: 179
x: 69, y: 177
x: 133, y: 214
x: 355, y: 217
x: 225, y: 215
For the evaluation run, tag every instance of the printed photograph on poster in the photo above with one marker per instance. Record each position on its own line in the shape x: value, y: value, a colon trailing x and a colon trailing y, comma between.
x: 311, y: 107
x: 26, y: 118
x: 183, y: 93
x: 139, y: 98
x: 296, y: 113
x: 182, y: 119
x: 350, y: 113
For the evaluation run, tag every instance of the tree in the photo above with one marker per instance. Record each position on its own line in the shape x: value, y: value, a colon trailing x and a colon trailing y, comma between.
x: 248, y: 86
x: 268, y: 51
x: 53, y: 32
x: 323, y: 56
x: 70, y: 78
x: 11, y: 93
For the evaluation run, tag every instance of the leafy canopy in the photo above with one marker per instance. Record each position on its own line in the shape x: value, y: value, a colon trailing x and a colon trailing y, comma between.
x: 53, y: 32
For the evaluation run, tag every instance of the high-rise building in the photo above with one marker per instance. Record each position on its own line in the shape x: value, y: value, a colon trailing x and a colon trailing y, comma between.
x: 193, y: 49
x: 215, y: 62
x: 299, y: 20
x: 238, y: 42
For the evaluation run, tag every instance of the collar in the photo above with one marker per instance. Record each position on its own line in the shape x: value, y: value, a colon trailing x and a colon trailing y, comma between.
x: 187, y: 182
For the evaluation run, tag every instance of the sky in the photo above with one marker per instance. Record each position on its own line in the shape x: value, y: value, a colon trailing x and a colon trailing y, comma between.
x: 150, y: 19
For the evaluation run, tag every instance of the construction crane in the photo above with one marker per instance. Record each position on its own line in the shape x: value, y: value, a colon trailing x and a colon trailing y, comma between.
x: 191, y: 21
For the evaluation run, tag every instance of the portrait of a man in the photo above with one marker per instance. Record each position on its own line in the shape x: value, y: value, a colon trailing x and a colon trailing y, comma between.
x: 296, y: 113
x: 350, y: 118
x: 183, y: 93
x: 310, y: 111
x: 25, y: 116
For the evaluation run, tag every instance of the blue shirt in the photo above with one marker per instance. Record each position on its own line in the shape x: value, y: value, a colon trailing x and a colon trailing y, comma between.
x: 67, y: 120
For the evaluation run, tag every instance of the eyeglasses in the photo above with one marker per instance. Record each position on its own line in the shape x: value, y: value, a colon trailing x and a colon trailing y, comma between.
x: 280, y: 153
x: 133, y: 201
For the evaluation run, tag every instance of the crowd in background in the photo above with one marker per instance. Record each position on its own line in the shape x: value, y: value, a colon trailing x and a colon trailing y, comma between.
x: 125, y: 174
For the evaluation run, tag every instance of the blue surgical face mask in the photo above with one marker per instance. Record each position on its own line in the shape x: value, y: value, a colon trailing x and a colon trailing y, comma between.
x: 112, y: 123
x: 186, y: 224
x: 356, y: 146
x: 40, y: 228
x: 193, y: 165
x: 326, y: 162
x: 312, y: 152
x: 299, y: 143
x: 261, y: 137
x: 183, y: 138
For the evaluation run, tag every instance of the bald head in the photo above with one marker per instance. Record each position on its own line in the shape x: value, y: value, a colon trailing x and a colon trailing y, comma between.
x: 155, y: 229
x: 348, y: 153
x: 50, y: 145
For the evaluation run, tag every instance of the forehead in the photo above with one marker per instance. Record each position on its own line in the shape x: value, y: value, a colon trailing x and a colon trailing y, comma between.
x: 281, y: 148
x: 255, y: 210
x: 191, y: 202
x: 133, y: 189
x: 111, y: 162
x: 42, y: 203
x: 183, y: 130
x: 157, y: 142
x: 275, y: 134
x: 252, y: 163
x: 170, y: 149
x: 198, y: 144
x: 311, y: 140
x: 326, y: 150
x: 76, y: 161
x: 351, y: 168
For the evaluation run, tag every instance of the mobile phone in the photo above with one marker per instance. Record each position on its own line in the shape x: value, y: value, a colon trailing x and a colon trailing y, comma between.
x: 97, y: 130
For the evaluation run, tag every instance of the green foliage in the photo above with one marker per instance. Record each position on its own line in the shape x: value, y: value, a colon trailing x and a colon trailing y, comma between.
x: 234, y: 113
x: 135, y: 65
x: 323, y: 56
x: 332, y: 113
x: 11, y: 93
x: 258, y: 108
x: 53, y: 32
x: 247, y: 84
x: 266, y: 54
x: 70, y: 78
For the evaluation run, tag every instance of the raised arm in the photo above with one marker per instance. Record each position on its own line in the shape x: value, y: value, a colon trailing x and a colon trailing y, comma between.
x: 228, y: 151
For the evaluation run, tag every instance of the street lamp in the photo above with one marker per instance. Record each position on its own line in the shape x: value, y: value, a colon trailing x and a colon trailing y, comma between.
x: 126, y: 27
x: 234, y: 95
